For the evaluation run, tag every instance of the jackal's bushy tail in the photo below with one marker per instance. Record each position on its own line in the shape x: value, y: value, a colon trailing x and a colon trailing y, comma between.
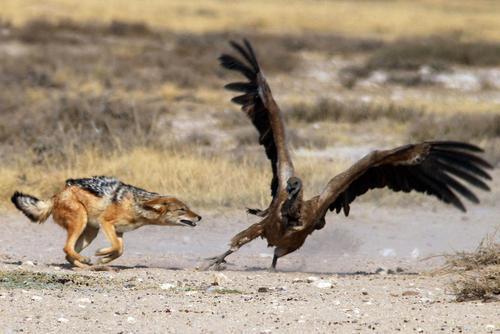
x: 36, y: 210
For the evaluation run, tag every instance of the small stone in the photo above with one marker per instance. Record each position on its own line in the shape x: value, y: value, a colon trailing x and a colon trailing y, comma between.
x: 29, y: 263
x: 220, y: 279
x: 167, y: 286
x: 410, y: 293
x: 36, y: 298
x: 62, y: 320
x: 214, y: 288
x: 131, y: 320
x: 84, y: 300
x: 323, y: 284
x: 298, y: 280
x: 311, y: 279
x: 263, y: 289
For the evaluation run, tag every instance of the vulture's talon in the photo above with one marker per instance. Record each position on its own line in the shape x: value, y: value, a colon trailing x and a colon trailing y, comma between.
x: 215, y: 263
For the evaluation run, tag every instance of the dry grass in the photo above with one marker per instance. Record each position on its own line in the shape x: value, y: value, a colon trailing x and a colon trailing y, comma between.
x: 350, y: 111
x: 386, y: 19
x: 486, y: 254
x: 199, y: 178
x: 98, y: 88
x: 435, y: 51
x: 478, y: 271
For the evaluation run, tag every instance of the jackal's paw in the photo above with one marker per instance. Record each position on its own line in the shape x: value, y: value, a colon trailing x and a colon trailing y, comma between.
x: 82, y: 262
x: 105, y: 251
x: 106, y: 259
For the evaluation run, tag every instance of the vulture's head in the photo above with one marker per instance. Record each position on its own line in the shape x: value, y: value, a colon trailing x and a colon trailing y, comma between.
x: 293, y: 186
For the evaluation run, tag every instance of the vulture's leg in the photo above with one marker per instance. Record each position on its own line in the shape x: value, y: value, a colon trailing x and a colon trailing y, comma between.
x: 238, y: 240
x: 278, y: 252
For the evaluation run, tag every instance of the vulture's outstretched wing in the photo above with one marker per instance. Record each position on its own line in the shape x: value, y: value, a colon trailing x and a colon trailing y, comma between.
x: 434, y: 168
x: 258, y: 103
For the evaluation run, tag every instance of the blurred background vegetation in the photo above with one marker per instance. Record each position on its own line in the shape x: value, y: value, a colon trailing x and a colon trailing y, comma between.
x: 132, y: 89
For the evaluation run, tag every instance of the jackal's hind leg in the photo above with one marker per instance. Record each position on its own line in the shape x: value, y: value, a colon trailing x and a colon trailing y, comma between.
x: 86, y: 238
x: 75, y: 222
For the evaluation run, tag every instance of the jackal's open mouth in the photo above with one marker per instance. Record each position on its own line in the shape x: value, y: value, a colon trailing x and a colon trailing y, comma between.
x: 188, y: 222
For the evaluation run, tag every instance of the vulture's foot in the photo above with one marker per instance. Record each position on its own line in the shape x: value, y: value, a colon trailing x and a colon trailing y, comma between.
x: 217, y: 262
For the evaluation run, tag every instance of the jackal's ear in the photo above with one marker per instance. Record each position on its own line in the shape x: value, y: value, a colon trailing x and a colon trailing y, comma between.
x: 154, y: 205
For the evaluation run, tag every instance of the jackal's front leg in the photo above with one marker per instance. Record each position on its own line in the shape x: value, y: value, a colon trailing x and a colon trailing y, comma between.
x: 238, y: 240
x: 116, y: 250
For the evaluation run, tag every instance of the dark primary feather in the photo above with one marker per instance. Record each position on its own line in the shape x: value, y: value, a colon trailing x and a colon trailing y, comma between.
x: 444, y: 171
x: 250, y: 100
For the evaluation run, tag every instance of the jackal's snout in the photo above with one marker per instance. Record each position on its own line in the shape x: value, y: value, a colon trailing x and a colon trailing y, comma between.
x: 190, y: 218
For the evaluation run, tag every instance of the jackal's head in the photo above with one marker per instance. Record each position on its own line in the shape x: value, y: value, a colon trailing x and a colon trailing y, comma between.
x: 170, y: 211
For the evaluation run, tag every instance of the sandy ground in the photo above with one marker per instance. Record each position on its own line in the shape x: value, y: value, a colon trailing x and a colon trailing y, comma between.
x: 330, y: 285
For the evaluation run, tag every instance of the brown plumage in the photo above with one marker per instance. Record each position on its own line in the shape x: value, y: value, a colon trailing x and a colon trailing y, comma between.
x: 442, y: 169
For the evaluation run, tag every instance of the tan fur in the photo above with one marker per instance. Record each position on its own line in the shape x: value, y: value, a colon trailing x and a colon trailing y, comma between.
x: 82, y: 214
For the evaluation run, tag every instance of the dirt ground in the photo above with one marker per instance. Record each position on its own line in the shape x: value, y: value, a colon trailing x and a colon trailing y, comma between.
x: 365, y: 273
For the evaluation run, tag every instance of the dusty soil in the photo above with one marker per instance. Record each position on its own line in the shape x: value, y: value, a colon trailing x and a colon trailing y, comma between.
x: 365, y: 273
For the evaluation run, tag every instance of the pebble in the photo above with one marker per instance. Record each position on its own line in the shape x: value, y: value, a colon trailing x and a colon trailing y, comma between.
x: 131, y: 320
x: 311, y: 279
x: 36, y: 298
x: 84, y: 300
x: 323, y: 284
x: 167, y: 286
x: 410, y: 293
x: 263, y: 289
x: 213, y: 288
x: 220, y: 279
x: 29, y: 263
x: 62, y: 320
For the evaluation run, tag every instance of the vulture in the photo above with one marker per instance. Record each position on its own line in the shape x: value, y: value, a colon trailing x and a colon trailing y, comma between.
x: 443, y: 169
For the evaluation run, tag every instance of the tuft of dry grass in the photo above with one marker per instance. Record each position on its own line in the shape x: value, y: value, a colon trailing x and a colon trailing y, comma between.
x: 480, y: 285
x: 479, y: 271
x: 486, y: 254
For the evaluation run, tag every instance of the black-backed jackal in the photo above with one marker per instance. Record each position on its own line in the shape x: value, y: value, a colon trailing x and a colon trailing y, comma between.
x: 86, y: 205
